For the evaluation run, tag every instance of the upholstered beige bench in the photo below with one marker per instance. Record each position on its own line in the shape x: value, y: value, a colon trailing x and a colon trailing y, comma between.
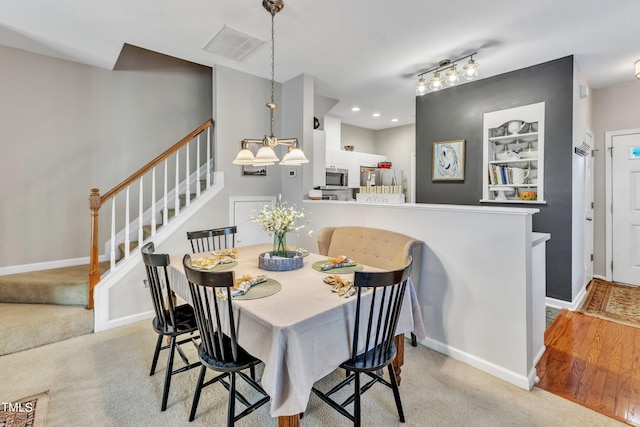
x: 372, y: 246
x: 379, y: 248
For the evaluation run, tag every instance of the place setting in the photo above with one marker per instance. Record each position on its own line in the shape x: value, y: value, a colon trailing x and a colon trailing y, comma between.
x: 247, y: 287
x: 337, y: 265
x: 217, y: 262
x: 344, y: 288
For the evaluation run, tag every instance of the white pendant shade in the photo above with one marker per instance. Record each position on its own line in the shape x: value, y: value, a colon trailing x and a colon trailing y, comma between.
x: 295, y: 157
x: 244, y: 157
x: 265, y: 155
x: 638, y: 69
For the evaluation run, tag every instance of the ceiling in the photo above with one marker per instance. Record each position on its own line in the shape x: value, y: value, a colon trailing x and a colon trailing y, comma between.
x: 362, y: 53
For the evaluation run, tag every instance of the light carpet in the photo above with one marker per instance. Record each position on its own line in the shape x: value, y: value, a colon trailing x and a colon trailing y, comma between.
x: 613, y: 301
x: 103, y: 380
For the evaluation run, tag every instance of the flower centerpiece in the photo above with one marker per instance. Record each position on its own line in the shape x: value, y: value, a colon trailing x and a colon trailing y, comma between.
x: 279, y: 219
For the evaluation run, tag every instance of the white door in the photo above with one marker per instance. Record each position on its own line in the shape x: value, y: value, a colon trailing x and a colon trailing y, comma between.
x: 625, y: 212
x: 588, y: 208
x: 241, y: 209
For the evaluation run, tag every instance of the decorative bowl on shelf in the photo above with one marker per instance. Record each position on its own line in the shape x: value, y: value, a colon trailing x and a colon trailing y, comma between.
x: 349, y: 147
x: 514, y: 126
x: 507, y: 155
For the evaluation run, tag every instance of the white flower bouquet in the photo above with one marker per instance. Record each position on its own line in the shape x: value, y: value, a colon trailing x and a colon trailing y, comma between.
x: 279, y: 219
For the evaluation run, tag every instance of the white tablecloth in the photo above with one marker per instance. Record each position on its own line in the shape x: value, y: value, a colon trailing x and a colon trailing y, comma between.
x: 300, y: 333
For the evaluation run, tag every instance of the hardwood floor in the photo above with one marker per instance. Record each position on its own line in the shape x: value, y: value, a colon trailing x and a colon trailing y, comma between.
x: 595, y: 363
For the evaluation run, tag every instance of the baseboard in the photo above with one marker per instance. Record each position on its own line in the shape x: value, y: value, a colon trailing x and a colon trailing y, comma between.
x: 569, y: 305
x: 122, y: 321
x: 522, y: 381
x: 47, y: 265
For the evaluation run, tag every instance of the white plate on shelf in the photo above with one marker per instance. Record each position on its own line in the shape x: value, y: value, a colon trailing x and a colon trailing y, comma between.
x: 503, y: 141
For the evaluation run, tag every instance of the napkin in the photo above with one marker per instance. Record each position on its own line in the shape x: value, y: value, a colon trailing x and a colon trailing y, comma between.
x: 232, y: 253
x: 244, y: 283
x: 337, y: 262
x: 210, y: 263
x: 343, y: 288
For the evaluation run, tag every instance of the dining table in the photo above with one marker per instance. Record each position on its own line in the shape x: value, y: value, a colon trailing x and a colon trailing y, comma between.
x: 295, y: 324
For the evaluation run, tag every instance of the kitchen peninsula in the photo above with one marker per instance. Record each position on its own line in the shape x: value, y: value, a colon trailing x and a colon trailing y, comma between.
x: 482, y: 280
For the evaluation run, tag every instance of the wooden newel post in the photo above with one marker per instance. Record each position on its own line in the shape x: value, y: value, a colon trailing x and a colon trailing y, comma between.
x: 95, y: 201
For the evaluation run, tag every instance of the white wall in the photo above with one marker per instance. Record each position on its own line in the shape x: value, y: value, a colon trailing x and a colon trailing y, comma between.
x: 398, y: 144
x: 240, y: 113
x: 614, y: 108
x: 475, y: 289
x: 363, y: 140
x: 68, y: 127
x: 582, y: 108
x: 297, y: 109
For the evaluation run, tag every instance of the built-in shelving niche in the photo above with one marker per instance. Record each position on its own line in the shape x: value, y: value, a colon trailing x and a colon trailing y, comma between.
x: 513, y: 155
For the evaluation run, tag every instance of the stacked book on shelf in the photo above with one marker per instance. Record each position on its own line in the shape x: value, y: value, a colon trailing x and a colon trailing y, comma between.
x: 500, y: 175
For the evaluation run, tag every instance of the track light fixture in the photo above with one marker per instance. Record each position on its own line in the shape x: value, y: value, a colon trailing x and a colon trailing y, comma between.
x: 451, y: 77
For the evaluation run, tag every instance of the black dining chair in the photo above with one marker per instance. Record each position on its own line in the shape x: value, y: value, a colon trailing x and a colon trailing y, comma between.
x: 170, y: 320
x: 376, y: 319
x: 213, y: 239
x: 218, y: 348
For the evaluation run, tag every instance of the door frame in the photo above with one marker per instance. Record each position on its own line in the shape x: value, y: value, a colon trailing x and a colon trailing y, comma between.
x: 590, y: 204
x: 608, y: 190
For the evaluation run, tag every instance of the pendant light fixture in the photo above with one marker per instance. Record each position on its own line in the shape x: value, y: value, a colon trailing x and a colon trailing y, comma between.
x: 266, y: 156
x: 451, y: 77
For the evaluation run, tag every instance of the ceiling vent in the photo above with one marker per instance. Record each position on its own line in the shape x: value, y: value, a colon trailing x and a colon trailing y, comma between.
x: 233, y: 44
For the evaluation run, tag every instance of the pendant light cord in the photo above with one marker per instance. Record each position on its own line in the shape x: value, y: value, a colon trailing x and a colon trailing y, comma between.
x: 273, y: 51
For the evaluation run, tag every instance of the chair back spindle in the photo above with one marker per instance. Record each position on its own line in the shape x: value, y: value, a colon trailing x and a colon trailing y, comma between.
x: 171, y: 321
x: 213, y: 313
x: 159, y: 285
x: 213, y: 239
x: 377, y: 314
x: 380, y: 312
x: 218, y: 349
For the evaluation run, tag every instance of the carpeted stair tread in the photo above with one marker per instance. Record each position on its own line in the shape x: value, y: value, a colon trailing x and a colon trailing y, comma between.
x: 64, y: 286
x: 25, y: 326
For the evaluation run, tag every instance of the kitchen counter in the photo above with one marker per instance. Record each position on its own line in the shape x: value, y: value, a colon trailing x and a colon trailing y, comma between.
x: 482, y: 279
x: 435, y: 207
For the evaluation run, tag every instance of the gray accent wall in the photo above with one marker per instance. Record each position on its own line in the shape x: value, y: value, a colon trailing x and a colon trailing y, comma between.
x: 457, y: 113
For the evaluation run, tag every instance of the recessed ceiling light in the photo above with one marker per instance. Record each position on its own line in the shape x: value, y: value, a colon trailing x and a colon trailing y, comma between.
x: 355, y: 109
x: 376, y: 114
x: 394, y: 120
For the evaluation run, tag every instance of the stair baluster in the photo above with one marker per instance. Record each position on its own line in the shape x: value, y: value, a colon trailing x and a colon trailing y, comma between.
x: 96, y: 201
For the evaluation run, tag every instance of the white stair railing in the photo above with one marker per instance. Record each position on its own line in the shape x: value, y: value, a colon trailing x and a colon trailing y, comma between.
x: 147, y: 199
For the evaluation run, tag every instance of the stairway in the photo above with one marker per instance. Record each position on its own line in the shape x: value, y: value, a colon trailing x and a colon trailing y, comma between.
x: 46, y: 306
x: 42, y: 307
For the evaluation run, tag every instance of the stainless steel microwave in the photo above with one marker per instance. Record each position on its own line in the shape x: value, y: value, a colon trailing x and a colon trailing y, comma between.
x: 336, y: 178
